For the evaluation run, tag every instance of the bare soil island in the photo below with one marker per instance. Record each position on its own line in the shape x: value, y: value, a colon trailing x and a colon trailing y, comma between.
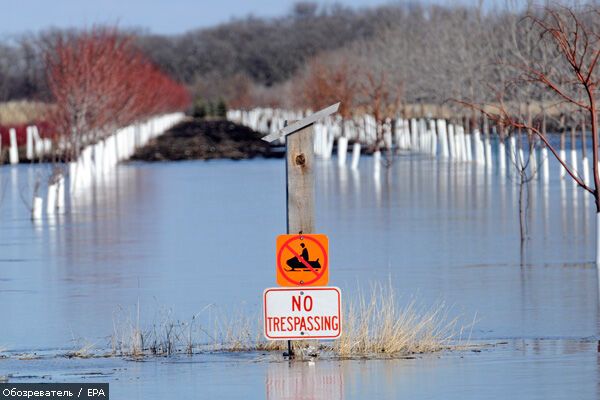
x: 200, y: 139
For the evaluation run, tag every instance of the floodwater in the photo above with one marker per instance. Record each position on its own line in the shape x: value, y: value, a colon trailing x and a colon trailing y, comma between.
x: 175, y: 237
x: 524, y: 369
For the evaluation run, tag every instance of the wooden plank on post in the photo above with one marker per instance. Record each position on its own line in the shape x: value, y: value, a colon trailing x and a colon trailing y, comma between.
x: 298, y: 125
x: 300, y: 184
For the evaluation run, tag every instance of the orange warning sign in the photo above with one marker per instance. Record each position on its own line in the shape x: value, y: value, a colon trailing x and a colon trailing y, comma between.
x: 302, y: 260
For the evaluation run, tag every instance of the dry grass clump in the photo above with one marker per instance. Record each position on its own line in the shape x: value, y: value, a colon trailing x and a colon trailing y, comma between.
x: 208, y: 330
x: 373, y: 325
x: 127, y: 337
x: 22, y: 112
x: 164, y: 337
x: 238, y: 332
x: 86, y: 350
x: 377, y: 325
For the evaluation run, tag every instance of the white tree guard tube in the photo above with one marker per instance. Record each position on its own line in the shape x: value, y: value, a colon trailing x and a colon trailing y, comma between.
x: 521, y: 158
x: 488, y: 154
x: 597, y: 239
x: 434, y: 143
x: 423, y: 135
x: 376, y: 162
x: 414, y: 143
x: 38, y: 143
x: 443, y: 138
x: 479, y: 149
x: 51, y: 199
x: 502, y: 157
x: 355, y: 155
x: 342, y: 150
x: 406, y: 134
x: 29, y: 149
x: 512, y: 149
x: 60, y: 199
x: 545, y: 165
x: 13, y: 150
x: 468, y: 147
x: 387, y: 135
x: 36, y: 211
x: 460, y: 143
x: 320, y: 139
x: 585, y: 166
x: 563, y: 156
x: 451, y: 143
x: 574, y: 165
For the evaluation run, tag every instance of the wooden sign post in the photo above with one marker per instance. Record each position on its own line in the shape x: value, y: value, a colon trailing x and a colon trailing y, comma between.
x: 300, y: 182
x: 299, y: 147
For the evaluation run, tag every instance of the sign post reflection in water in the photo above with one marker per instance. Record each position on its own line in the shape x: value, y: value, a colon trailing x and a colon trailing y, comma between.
x: 297, y: 381
x: 299, y: 147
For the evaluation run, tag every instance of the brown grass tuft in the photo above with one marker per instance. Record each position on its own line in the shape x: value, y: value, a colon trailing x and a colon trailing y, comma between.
x: 373, y: 325
x: 22, y: 112
x: 377, y: 325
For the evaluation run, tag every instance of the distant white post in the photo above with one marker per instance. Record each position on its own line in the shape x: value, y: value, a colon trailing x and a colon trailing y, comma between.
x: 29, y: 152
x: 14, y: 149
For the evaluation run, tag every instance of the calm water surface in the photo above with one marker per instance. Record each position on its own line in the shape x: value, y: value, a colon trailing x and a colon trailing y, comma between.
x: 521, y: 369
x: 179, y: 236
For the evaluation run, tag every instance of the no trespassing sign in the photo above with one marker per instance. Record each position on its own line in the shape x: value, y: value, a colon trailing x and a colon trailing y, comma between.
x: 302, y: 313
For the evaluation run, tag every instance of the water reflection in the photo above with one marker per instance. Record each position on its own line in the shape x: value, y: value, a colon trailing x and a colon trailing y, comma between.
x: 304, y: 380
x: 356, y: 183
x: 543, y: 369
x: 166, y: 234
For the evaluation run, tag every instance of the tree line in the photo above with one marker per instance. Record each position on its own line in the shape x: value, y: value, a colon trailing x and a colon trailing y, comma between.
x: 396, y: 55
x: 248, y: 51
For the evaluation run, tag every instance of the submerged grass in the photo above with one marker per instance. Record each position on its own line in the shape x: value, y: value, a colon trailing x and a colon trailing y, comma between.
x: 85, y: 350
x: 375, y: 324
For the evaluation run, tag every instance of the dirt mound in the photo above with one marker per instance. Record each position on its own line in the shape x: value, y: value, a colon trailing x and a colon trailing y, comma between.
x: 198, y: 139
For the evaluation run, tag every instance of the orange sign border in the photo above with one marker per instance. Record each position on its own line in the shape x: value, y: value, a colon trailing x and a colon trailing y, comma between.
x: 323, y: 268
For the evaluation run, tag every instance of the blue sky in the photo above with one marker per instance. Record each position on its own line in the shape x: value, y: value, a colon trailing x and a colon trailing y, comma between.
x: 157, y: 16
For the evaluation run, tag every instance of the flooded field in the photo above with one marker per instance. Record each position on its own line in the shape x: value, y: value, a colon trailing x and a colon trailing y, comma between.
x: 176, y: 237
x: 523, y: 369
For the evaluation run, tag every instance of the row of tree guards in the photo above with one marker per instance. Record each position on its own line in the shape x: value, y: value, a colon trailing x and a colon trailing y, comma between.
x: 107, y: 99
x: 36, y: 146
x: 458, y: 141
x: 95, y: 164
x: 480, y: 141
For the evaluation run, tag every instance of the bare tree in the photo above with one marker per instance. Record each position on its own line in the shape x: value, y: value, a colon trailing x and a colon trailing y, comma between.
x: 571, y: 79
x: 329, y: 80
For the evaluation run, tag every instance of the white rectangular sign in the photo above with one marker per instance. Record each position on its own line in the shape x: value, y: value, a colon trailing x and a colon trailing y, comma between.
x: 302, y: 313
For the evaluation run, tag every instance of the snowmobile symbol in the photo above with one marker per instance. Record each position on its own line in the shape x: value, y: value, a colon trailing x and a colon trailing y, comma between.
x: 299, y: 263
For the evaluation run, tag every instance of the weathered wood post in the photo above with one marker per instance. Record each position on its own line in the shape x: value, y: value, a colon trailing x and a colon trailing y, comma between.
x: 300, y: 182
x: 299, y: 148
x: 300, y: 199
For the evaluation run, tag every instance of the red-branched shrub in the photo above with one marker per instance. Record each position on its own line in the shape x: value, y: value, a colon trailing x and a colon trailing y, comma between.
x: 100, y: 81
